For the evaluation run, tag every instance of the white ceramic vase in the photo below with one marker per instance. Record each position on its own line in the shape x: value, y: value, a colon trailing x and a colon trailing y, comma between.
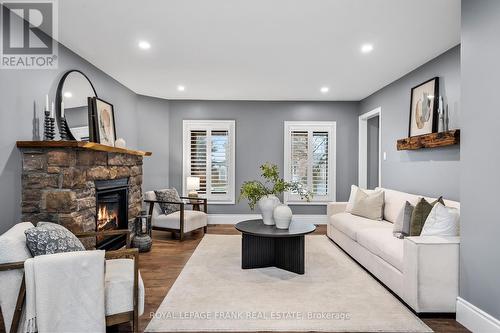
x: 282, y: 215
x: 266, y: 205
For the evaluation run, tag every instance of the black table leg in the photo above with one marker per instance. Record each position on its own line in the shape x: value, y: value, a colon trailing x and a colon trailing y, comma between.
x: 289, y: 254
x: 257, y: 252
x: 286, y: 253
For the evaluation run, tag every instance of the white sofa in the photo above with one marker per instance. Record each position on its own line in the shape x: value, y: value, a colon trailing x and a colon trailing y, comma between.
x: 422, y: 271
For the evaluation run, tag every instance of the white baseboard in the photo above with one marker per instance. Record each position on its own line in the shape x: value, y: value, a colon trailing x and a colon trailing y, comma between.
x: 475, y: 319
x: 235, y: 218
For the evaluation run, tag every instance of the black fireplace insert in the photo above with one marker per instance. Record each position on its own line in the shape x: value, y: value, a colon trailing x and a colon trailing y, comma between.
x: 111, y: 211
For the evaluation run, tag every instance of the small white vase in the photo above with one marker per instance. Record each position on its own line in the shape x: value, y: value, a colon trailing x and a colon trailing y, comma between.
x: 266, y: 205
x: 282, y: 215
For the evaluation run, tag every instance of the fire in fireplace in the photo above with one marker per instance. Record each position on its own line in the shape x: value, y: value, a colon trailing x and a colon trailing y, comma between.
x: 112, y: 211
x: 107, y: 213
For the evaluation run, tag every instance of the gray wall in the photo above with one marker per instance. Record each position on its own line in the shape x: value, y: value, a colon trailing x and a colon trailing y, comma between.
x: 480, y: 227
x: 259, y: 139
x: 153, y: 135
x: 372, y: 128
x: 22, y: 92
x: 430, y: 172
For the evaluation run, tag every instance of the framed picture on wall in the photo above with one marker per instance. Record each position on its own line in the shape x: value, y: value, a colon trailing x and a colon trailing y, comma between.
x: 104, y: 122
x: 423, y: 108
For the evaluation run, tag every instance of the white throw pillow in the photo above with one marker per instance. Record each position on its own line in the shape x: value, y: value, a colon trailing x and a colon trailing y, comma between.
x: 352, y: 196
x: 370, y: 206
x: 442, y: 221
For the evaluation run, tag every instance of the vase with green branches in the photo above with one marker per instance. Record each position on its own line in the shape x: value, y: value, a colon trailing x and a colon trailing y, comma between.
x: 264, y: 193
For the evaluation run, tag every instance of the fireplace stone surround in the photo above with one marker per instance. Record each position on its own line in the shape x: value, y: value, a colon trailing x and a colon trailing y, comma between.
x: 59, y: 183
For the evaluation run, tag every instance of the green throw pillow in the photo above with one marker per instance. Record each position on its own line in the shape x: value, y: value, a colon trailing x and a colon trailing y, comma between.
x: 419, y: 215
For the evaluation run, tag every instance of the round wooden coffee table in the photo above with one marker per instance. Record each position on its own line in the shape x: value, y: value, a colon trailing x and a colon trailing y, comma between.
x: 266, y: 246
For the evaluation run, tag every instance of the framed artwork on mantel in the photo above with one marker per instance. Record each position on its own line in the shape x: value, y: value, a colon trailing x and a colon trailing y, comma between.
x: 423, y: 108
x: 104, y: 122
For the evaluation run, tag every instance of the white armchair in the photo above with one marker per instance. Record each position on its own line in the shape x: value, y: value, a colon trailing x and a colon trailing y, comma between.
x: 124, y: 288
x: 181, y: 221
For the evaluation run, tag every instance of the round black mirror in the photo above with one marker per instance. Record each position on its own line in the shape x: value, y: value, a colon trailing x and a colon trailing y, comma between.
x: 74, y: 92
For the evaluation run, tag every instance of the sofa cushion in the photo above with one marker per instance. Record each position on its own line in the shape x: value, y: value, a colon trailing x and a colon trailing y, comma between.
x: 394, y: 200
x: 382, y: 243
x: 442, y: 221
x: 403, y: 222
x: 369, y: 205
x: 352, y: 196
x: 419, y: 215
x: 170, y: 195
x: 351, y: 224
x: 192, y: 220
x: 119, y: 287
x: 49, y: 238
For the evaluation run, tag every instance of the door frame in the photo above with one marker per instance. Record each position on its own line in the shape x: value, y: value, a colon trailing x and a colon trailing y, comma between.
x: 363, y: 146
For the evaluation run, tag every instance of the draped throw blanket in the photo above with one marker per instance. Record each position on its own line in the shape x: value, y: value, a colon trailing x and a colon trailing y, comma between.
x: 65, y: 292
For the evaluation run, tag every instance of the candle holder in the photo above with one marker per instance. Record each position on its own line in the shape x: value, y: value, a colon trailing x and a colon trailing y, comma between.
x: 63, y: 129
x: 48, y: 127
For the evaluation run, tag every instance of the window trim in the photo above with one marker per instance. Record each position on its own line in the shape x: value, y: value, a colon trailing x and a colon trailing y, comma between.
x: 229, y: 125
x: 324, y: 126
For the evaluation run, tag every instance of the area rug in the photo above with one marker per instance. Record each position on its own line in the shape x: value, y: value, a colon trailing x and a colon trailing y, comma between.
x: 214, y: 294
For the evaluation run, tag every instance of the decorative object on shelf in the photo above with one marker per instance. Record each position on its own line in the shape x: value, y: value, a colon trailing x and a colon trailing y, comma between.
x: 423, y: 108
x: 142, y: 236
x: 441, y: 115
x: 192, y: 185
x: 63, y: 126
x: 120, y: 143
x: 432, y: 140
x: 104, y: 122
x: 76, y: 92
x: 282, y: 215
x: 446, y: 126
x: 49, y: 132
x: 265, y: 194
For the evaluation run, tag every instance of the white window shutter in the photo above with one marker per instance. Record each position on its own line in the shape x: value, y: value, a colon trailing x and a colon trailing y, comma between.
x: 310, y: 159
x: 209, y: 154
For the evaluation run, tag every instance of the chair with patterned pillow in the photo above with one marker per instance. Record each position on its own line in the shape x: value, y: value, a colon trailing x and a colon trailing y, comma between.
x: 168, y: 212
x: 123, y: 288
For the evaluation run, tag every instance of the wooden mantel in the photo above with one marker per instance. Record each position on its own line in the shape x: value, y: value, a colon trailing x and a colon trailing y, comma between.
x: 80, y: 145
x: 432, y: 140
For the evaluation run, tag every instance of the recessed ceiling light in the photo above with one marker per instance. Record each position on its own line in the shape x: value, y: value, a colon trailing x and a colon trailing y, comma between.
x: 68, y: 94
x: 181, y: 88
x: 366, y: 48
x: 144, y: 45
x: 324, y: 90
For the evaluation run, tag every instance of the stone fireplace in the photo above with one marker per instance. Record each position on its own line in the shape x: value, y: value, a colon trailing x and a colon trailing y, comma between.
x: 81, y: 187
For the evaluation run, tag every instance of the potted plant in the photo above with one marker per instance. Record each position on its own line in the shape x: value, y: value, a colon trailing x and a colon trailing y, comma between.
x: 264, y: 194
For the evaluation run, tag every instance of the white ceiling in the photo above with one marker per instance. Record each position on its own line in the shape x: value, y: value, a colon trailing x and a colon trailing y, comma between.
x: 258, y: 49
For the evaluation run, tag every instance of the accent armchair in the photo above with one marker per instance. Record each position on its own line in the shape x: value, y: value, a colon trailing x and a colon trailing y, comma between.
x: 182, y: 221
x: 124, y: 289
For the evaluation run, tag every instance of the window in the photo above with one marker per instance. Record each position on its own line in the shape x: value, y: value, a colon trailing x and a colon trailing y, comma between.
x: 310, y: 159
x: 208, y: 148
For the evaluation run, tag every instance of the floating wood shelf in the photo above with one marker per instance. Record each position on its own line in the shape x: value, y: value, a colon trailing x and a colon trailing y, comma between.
x: 80, y: 145
x: 431, y: 140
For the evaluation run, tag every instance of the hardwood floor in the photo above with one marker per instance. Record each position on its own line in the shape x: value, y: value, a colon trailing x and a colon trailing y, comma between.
x: 161, y: 266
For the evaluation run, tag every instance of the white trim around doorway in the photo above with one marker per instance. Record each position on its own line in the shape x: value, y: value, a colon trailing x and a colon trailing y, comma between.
x: 363, y: 149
